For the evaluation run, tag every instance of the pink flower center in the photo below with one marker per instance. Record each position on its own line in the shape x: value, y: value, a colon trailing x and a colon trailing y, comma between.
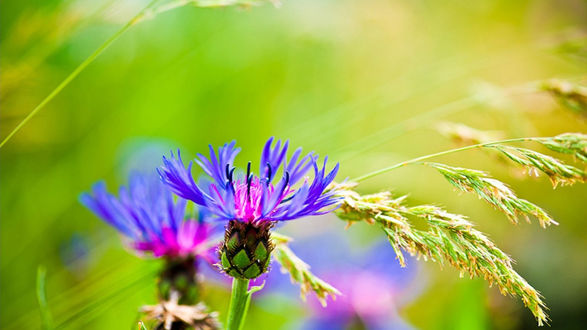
x: 248, y: 197
x: 188, y: 239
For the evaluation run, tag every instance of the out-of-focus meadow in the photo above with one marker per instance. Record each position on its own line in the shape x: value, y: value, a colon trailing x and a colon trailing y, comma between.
x: 365, y: 82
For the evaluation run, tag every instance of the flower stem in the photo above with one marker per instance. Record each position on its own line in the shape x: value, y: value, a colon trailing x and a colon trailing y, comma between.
x: 442, y: 153
x: 80, y: 68
x: 239, y: 304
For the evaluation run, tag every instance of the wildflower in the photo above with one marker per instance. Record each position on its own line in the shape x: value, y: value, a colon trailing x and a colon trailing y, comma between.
x: 252, y: 204
x: 371, y: 300
x: 146, y: 213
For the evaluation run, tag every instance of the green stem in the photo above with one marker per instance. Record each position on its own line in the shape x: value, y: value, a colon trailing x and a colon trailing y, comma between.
x: 239, y: 304
x: 442, y: 153
x: 46, y: 320
x: 80, y: 68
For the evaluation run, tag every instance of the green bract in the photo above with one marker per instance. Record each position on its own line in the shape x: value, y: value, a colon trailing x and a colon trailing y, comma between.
x: 246, y: 250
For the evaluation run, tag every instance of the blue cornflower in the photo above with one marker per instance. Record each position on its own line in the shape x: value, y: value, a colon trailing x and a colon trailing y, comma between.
x: 254, y: 198
x: 148, y: 215
x: 253, y: 203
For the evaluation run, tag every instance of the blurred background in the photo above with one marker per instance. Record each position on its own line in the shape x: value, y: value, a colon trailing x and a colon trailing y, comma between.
x: 366, y: 82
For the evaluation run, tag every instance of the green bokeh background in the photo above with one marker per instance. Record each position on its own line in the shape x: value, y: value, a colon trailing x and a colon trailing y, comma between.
x: 361, y: 81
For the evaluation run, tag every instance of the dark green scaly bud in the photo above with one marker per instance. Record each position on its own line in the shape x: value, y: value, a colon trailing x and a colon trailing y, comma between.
x: 246, y: 250
x: 178, y: 307
x: 179, y: 275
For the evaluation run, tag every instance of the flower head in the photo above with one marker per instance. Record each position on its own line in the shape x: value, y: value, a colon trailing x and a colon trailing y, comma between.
x: 147, y: 214
x: 250, y: 197
x: 250, y: 203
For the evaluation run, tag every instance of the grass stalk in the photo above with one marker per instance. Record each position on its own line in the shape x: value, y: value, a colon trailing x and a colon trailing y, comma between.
x: 442, y: 153
x: 79, y: 69
x: 46, y: 319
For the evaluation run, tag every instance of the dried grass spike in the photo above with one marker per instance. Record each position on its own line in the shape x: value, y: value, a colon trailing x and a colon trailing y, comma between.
x: 493, y: 191
x: 451, y: 239
x: 300, y: 273
x: 557, y: 171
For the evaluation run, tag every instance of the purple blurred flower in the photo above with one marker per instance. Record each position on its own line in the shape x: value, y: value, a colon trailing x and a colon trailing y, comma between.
x: 370, y: 299
x: 75, y: 254
x: 374, y: 286
x: 147, y: 214
x: 253, y: 198
x: 373, y: 289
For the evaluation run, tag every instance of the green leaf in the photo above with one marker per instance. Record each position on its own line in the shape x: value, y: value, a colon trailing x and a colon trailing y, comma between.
x: 256, y: 288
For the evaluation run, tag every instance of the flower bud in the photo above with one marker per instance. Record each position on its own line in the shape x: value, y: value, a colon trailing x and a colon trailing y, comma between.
x: 179, y: 276
x: 246, y: 250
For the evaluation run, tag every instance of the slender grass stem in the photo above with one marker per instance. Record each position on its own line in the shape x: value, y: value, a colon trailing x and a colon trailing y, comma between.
x: 442, y: 153
x: 239, y: 304
x: 170, y: 6
x: 46, y: 320
x: 141, y: 14
x: 88, y: 309
x: 400, y: 128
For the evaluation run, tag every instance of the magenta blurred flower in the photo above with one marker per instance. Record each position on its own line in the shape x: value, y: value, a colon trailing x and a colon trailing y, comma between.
x: 374, y: 286
x: 147, y: 214
x: 189, y: 239
x: 370, y: 300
